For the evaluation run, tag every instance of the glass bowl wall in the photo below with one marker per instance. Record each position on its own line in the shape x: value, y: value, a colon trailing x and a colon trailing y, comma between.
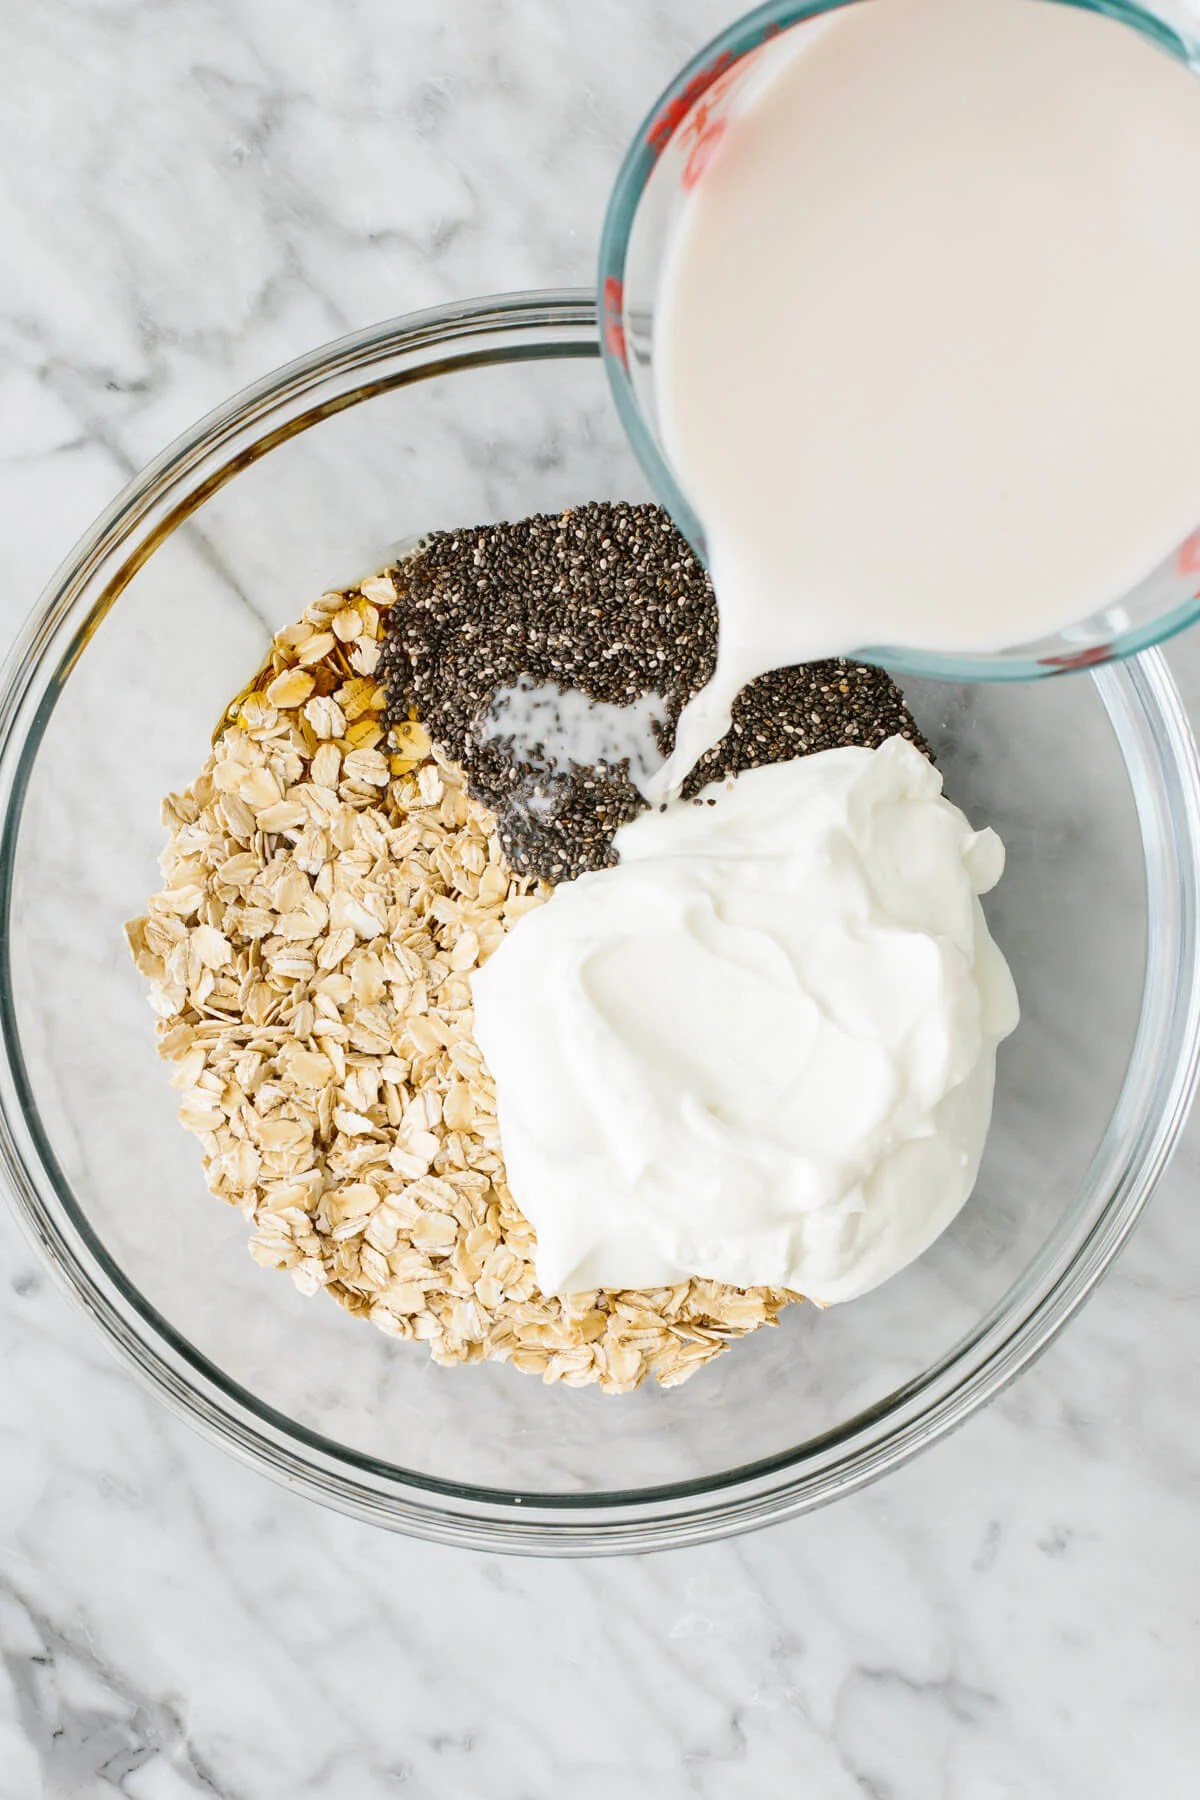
x: 487, y: 410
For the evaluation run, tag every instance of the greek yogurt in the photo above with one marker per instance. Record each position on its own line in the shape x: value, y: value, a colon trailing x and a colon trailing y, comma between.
x: 762, y: 1048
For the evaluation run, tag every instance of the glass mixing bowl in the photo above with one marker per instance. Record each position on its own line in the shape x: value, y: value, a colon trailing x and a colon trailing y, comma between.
x: 665, y: 159
x: 494, y: 409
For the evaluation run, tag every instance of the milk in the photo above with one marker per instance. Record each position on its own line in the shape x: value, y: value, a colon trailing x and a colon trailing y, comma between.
x: 927, y: 345
x: 555, y: 730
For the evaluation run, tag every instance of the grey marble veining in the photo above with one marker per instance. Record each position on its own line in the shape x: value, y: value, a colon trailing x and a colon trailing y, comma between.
x: 190, y: 192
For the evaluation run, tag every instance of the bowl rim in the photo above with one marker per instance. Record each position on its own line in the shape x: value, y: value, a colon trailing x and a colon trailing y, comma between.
x: 1148, y: 717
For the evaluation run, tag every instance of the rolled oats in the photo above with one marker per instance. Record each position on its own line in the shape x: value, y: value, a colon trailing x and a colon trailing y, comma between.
x: 328, y: 886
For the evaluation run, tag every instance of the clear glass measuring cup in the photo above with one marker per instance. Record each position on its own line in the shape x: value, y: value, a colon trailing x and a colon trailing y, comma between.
x: 664, y: 162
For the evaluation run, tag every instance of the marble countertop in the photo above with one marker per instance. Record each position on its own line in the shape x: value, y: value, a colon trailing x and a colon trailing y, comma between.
x: 192, y: 191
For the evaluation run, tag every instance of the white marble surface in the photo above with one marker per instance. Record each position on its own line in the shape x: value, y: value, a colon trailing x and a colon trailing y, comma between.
x: 191, y: 191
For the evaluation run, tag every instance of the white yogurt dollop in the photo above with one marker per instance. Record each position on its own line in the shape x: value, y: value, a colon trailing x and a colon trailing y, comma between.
x: 762, y: 1048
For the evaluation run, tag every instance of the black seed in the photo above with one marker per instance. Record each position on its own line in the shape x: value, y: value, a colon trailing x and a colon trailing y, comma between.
x: 607, y: 599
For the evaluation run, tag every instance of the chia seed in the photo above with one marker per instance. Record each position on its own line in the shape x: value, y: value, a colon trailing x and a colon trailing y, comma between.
x: 607, y: 599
